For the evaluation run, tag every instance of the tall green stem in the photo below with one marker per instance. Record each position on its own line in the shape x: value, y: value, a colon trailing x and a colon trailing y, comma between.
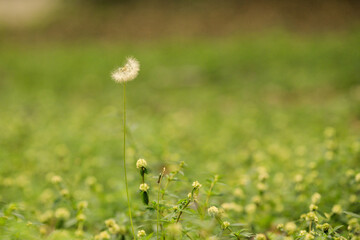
x: 125, y: 175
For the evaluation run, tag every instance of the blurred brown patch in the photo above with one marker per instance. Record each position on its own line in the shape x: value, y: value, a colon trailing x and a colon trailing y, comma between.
x: 144, y: 20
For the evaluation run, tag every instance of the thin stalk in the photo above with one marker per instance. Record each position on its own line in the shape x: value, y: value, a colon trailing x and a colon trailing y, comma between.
x: 125, y: 175
x: 158, y: 204
x: 209, y: 193
x: 158, y: 215
x: 171, y: 177
x: 188, y: 235
x: 181, y: 211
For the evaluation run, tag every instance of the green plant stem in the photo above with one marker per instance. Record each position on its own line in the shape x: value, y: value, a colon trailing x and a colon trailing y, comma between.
x: 125, y: 175
x: 158, y: 206
x: 158, y: 214
x: 180, y: 213
x: 209, y: 194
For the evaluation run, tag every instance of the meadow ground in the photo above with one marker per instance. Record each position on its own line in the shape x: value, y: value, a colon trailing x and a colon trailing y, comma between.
x: 276, y: 116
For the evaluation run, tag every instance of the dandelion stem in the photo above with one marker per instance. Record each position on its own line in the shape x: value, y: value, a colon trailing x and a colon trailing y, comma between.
x: 125, y: 175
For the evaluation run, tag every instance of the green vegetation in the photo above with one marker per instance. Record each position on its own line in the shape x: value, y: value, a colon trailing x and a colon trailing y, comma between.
x: 268, y: 125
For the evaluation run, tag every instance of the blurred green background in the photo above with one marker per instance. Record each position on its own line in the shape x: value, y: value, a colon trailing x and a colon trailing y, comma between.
x: 226, y: 86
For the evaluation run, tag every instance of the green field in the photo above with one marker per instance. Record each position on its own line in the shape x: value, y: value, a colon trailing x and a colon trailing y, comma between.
x: 276, y: 116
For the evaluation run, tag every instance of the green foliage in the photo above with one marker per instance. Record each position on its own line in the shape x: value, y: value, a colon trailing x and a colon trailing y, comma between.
x: 276, y: 117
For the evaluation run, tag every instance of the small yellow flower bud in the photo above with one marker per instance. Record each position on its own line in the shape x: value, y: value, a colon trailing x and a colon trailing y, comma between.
x: 64, y: 192
x: 196, y: 184
x: 311, y: 216
x: 226, y: 224
x: 260, y: 236
x: 110, y: 222
x: 141, y: 233
x: 104, y: 235
x: 250, y: 208
x: 213, y: 211
x: 79, y: 233
x: 56, y: 179
x: 90, y: 181
x: 309, y: 236
x: 144, y: 187
x: 357, y: 177
x: 114, y: 229
x: 325, y: 226
x: 290, y: 227
x: 81, y: 217
x: 315, y: 199
x: 337, y: 209
x: 313, y: 207
x: 141, y: 163
x: 329, y: 132
x: 82, y: 205
x: 280, y: 227
x: 62, y: 213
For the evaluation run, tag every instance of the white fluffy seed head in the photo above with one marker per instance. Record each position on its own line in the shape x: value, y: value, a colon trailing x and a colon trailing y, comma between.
x: 128, y: 72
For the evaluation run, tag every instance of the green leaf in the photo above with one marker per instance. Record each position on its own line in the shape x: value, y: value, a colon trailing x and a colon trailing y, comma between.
x: 337, y: 227
x: 352, y: 214
x: 145, y: 198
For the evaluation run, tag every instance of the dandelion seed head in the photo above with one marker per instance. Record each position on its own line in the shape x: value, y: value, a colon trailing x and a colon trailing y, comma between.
x: 127, y: 72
